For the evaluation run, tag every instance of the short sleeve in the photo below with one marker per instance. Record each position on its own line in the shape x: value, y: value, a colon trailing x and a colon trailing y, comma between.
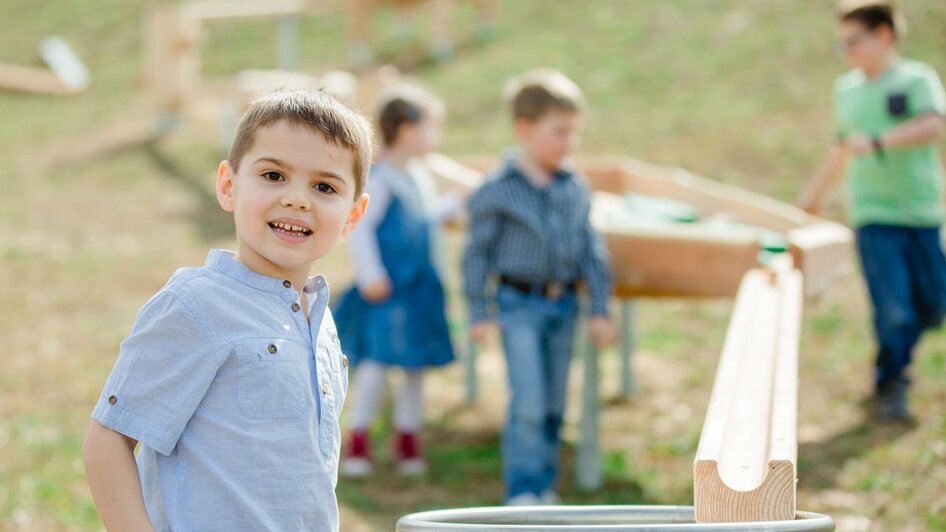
x: 842, y: 128
x: 927, y: 94
x: 163, y: 371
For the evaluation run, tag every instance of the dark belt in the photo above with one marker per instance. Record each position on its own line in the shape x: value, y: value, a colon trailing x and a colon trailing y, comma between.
x: 553, y: 290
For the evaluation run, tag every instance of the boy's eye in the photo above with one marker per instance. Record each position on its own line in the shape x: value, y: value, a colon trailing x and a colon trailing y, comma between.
x: 325, y: 188
x: 273, y: 176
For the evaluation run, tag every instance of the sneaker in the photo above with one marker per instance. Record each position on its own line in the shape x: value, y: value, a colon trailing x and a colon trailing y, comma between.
x: 524, y: 499
x: 891, y: 403
x: 407, y: 451
x: 550, y: 498
x: 357, y: 460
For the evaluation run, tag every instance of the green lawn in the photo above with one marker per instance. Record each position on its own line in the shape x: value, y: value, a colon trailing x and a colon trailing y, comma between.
x: 738, y: 90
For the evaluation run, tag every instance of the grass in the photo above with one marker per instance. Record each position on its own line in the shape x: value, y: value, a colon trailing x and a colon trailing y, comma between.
x: 733, y: 89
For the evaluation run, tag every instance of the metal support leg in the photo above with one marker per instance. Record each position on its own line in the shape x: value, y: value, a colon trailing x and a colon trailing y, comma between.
x: 289, y: 43
x: 627, y: 349
x: 469, y: 363
x: 588, y: 462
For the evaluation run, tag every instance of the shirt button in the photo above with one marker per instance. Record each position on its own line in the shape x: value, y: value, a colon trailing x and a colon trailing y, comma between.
x: 345, y: 361
x: 272, y: 348
x: 295, y: 307
x: 287, y: 284
x: 324, y: 390
x: 112, y: 400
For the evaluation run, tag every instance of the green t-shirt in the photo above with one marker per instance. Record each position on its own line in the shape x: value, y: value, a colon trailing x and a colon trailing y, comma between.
x: 900, y: 186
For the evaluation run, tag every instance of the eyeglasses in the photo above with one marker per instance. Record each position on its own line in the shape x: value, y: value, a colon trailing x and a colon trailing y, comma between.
x: 853, y: 41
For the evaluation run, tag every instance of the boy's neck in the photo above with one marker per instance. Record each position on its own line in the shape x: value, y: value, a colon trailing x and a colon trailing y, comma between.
x: 881, y: 67
x: 396, y: 157
x: 260, y: 265
x: 535, y: 173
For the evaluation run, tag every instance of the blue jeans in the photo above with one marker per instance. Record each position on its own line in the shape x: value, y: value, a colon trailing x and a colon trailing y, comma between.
x: 906, y: 276
x: 537, y: 336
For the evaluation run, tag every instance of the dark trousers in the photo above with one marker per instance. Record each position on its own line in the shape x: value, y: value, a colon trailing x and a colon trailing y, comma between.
x: 905, y: 271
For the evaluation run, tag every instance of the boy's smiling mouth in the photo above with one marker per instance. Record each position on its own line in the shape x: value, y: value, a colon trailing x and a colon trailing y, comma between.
x: 293, y: 231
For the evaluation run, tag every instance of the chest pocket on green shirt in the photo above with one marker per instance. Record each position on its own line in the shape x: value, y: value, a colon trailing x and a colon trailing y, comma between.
x: 897, y: 105
x: 272, y: 378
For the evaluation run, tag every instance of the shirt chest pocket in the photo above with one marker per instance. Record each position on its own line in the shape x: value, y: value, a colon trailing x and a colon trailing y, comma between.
x: 272, y: 378
x: 335, y: 366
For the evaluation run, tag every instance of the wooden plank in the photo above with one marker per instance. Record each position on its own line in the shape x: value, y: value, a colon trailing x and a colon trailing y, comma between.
x: 235, y: 9
x: 823, y: 253
x: 31, y: 79
x: 745, y: 468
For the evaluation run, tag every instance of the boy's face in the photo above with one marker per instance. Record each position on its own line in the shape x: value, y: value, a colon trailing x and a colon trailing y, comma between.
x: 551, y: 138
x: 292, y: 199
x: 864, y: 49
x: 423, y: 137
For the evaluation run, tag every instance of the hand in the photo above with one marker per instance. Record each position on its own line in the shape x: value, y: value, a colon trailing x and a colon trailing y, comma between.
x: 859, y: 144
x: 482, y: 331
x: 376, y: 291
x: 602, y: 331
x: 809, y: 203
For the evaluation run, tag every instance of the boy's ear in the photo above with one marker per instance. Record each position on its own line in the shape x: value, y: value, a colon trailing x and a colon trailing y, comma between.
x: 522, y: 127
x: 887, y: 35
x: 225, y: 186
x: 356, y: 213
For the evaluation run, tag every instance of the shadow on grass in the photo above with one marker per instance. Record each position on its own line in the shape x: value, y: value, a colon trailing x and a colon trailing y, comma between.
x: 820, y: 463
x: 209, y: 219
x: 465, y: 470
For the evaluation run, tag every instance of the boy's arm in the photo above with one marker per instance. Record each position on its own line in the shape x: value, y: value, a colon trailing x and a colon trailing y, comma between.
x: 113, y: 476
x: 478, y: 256
x: 824, y: 177
x: 920, y: 131
x: 595, y: 267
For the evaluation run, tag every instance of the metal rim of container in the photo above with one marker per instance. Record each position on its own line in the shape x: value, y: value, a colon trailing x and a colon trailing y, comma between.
x: 598, y: 518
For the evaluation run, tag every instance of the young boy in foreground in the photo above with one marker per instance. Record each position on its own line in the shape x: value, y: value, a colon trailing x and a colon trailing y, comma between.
x: 232, y: 378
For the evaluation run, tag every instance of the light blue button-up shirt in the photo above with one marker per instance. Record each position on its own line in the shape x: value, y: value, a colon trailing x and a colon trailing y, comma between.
x: 235, y: 399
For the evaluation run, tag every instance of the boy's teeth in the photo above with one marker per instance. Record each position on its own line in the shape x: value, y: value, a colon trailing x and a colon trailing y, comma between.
x: 290, y: 227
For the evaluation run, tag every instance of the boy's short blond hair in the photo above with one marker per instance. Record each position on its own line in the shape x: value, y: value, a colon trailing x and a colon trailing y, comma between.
x: 538, y: 92
x: 317, y: 111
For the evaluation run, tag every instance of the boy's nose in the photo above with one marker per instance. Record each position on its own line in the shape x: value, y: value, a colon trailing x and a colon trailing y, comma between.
x: 296, y: 201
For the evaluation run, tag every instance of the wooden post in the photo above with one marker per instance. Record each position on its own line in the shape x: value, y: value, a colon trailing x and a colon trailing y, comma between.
x: 172, y: 61
x: 745, y: 467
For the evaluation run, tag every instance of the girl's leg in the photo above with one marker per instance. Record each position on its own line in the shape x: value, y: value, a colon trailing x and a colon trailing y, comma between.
x: 367, y: 395
x: 408, y: 420
x: 409, y: 403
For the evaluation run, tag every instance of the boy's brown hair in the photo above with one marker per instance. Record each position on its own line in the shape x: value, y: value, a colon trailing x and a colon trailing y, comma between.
x: 538, y: 92
x: 405, y: 104
x: 873, y: 14
x: 316, y: 111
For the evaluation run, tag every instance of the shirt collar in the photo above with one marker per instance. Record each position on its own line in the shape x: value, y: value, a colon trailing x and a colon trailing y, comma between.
x: 511, y: 168
x: 223, y: 261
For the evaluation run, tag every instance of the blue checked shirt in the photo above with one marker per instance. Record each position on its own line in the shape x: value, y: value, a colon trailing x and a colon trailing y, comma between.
x: 234, y: 397
x: 536, y: 235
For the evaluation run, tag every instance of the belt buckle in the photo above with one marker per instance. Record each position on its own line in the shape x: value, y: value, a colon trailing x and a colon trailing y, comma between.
x: 554, y: 290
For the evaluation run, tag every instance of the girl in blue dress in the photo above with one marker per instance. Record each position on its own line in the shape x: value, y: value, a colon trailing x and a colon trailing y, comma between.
x: 394, y: 316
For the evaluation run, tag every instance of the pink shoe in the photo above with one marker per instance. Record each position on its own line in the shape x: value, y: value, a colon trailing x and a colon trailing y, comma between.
x: 407, y: 451
x: 357, y: 459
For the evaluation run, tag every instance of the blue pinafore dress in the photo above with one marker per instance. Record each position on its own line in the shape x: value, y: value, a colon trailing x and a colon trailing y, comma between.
x: 410, y: 328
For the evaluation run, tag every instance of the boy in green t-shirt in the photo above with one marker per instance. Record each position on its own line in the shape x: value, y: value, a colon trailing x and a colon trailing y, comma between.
x: 889, y: 112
